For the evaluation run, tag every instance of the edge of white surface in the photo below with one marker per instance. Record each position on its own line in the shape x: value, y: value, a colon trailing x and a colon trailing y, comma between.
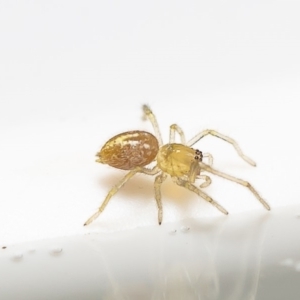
x: 192, y: 258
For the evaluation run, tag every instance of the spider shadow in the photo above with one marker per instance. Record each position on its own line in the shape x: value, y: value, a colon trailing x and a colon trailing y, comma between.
x: 141, y: 188
x: 137, y: 187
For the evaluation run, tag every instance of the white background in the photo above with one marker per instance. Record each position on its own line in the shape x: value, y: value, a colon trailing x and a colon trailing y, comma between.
x: 75, y: 73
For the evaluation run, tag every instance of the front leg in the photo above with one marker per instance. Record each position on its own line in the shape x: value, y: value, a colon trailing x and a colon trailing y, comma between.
x: 225, y: 138
x: 237, y: 180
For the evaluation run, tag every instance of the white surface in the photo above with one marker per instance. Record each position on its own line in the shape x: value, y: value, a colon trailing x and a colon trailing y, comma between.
x: 73, y: 74
x: 243, y: 256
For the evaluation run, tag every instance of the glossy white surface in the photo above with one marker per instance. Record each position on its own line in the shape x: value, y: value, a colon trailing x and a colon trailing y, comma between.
x: 247, y: 256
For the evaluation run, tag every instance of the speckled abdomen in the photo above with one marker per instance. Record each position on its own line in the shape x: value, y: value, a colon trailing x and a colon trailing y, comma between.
x: 129, y: 150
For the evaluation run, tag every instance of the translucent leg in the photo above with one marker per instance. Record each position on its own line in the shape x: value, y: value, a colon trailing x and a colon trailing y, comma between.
x: 193, y: 188
x: 237, y: 180
x: 175, y: 128
x: 117, y: 187
x: 150, y: 115
x: 157, y: 189
x: 210, y: 158
x: 227, y: 139
x: 207, y: 181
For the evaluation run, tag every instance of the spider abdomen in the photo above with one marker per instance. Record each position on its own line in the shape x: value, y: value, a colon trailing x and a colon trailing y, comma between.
x: 179, y: 160
x: 129, y: 150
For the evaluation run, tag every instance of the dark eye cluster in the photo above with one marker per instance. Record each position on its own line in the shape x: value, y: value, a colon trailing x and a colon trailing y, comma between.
x: 198, y: 155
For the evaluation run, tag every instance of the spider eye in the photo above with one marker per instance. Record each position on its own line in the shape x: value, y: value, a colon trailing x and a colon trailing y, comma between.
x: 198, y: 155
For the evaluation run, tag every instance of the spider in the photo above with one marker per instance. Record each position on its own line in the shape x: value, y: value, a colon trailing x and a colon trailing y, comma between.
x: 134, y: 150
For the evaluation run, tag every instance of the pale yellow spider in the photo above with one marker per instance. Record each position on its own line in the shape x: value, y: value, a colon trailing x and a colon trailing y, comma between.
x: 134, y: 150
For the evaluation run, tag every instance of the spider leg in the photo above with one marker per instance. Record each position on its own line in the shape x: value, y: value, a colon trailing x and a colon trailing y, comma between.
x: 227, y: 139
x: 112, y: 192
x: 207, y: 181
x: 157, y: 190
x: 210, y: 158
x: 117, y: 187
x: 175, y: 128
x: 152, y: 171
x: 186, y: 184
x: 150, y: 115
x: 237, y: 180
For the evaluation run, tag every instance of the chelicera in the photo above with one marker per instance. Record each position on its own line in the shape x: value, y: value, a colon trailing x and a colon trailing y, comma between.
x: 134, y: 150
